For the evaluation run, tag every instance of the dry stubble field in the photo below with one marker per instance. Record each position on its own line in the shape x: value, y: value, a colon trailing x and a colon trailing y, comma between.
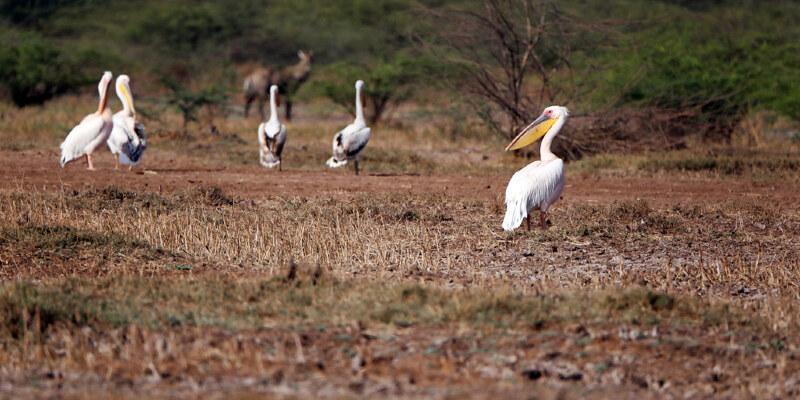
x: 201, y: 274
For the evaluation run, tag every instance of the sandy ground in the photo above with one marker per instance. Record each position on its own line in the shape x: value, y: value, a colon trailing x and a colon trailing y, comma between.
x: 37, y: 170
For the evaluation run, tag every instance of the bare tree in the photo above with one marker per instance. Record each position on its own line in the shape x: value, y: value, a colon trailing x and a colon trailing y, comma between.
x: 512, y: 56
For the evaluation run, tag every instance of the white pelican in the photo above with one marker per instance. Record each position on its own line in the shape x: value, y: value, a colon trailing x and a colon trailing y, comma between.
x: 350, y: 141
x: 93, y: 130
x: 272, y: 134
x: 127, y: 141
x: 539, y: 184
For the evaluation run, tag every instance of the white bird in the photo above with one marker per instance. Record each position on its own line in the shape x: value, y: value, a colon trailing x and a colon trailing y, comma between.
x: 127, y: 140
x: 539, y: 184
x: 350, y: 141
x: 272, y: 134
x: 93, y: 130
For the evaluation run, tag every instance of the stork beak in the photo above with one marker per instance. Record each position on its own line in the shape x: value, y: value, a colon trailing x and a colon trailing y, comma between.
x: 532, y: 132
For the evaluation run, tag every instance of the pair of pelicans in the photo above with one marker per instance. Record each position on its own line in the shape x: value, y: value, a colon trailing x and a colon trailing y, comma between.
x: 124, y: 135
x: 538, y: 185
x: 347, y: 143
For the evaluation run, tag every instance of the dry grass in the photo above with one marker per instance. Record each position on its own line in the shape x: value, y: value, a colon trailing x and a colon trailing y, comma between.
x: 397, y: 294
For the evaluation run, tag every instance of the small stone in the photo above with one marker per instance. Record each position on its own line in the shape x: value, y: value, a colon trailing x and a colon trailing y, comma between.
x: 532, y: 374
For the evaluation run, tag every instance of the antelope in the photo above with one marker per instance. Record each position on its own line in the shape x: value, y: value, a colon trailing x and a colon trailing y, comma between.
x: 288, y: 80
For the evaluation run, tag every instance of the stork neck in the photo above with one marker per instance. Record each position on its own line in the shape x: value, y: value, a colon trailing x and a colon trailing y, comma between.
x: 359, y: 106
x: 273, y: 107
x: 544, y: 151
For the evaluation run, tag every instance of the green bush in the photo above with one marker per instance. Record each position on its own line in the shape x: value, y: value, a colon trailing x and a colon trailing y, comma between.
x: 32, y: 12
x: 387, y: 82
x: 714, y: 61
x: 33, y: 71
x: 180, y: 28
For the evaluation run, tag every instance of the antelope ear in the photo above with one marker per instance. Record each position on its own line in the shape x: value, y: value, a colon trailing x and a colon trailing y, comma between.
x: 300, y: 53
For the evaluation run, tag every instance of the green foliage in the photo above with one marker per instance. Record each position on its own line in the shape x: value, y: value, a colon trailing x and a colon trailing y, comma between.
x: 190, y: 101
x: 722, y: 73
x: 176, y: 27
x: 34, y: 71
x: 32, y: 12
x: 714, y: 61
x: 386, y: 82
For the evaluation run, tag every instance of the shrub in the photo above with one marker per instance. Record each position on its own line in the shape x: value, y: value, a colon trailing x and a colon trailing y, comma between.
x: 386, y: 82
x: 34, y: 71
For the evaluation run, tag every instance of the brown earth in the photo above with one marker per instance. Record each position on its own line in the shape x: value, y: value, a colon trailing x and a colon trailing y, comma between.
x: 38, y: 170
x: 569, y: 360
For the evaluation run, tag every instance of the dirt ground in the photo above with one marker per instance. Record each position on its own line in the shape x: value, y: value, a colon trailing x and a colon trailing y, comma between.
x: 598, y: 360
x: 38, y: 170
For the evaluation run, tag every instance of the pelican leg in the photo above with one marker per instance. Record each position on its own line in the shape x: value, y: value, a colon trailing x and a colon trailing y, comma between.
x: 528, y: 218
x: 130, y: 167
x: 116, y: 159
x: 89, y: 160
x: 356, y: 164
x: 544, y: 220
x: 280, y: 164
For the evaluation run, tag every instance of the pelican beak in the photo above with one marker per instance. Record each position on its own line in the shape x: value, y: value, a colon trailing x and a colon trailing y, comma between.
x: 127, y: 93
x: 532, y: 132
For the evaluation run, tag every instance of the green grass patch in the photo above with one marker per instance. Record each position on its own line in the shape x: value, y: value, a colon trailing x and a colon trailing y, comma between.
x: 159, y: 303
x: 726, y: 161
x: 737, y: 164
x: 47, y: 241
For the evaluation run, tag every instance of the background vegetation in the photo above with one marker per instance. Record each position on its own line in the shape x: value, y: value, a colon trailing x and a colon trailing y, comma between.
x: 700, y: 67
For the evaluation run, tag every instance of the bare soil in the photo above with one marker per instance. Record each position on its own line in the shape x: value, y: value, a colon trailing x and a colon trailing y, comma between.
x: 570, y: 360
x: 39, y: 170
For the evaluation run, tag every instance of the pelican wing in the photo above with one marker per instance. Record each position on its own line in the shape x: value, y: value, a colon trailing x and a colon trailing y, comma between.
x: 127, y: 139
x: 262, y: 135
x: 348, y: 143
x: 137, y: 143
x: 276, y: 141
x: 80, y: 136
x: 356, y: 141
x: 535, y: 185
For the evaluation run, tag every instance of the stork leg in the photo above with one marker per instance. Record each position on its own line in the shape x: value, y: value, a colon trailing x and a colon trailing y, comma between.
x: 116, y: 160
x: 356, y: 164
x: 544, y: 220
x: 89, y: 160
